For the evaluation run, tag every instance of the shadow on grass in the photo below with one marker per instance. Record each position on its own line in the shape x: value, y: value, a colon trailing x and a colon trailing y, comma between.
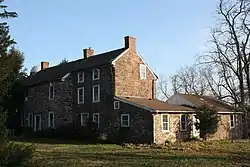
x: 59, y: 141
x: 130, y: 158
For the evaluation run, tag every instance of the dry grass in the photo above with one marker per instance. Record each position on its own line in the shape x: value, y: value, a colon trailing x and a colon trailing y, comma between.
x: 220, y: 153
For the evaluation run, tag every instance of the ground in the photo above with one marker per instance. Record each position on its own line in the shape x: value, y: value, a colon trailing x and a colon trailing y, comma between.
x: 222, y: 153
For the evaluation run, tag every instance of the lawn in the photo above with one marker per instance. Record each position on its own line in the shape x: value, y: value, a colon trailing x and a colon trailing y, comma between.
x: 222, y: 153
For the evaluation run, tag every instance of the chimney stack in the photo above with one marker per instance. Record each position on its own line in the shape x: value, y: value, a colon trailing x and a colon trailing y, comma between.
x: 88, y: 52
x: 44, y: 65
x: 130, y: 43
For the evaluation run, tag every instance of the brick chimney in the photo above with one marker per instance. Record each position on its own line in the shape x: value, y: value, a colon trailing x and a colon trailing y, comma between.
x: 130, y: 42
x: 44, y: 65
x: 87, y: 53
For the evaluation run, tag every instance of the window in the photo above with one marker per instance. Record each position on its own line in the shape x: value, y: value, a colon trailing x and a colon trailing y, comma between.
x: 51, y: 120
x: 116, y: 105
x: 125, y: 120
x: 96, y: 119
x: 30, y: 120
x: 143, y: 74
x: 232, y: 121
x: 80, y: 77
x: 96, y: 74
x: 183, y: 122
x: 80, y: 95
x: 96, y: 93
x: 165, y: 122
x: 84, y: 119
x: 51, y: 92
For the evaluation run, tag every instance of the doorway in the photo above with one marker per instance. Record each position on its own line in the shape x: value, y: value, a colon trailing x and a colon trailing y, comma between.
x: 38, y: 122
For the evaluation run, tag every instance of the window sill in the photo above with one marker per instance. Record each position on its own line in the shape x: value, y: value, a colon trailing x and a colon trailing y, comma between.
x: 183, y: 130
x: 122, y: 126
x: 165, y: 131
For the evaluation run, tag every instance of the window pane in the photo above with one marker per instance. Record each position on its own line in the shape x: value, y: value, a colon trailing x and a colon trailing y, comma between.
x: 165, y: 118
x: 80, y: 76
x: 165, y: 126
x: 96, y: 92
x: 95, y: 118
x: 51, y: 92
x: 85, y: 118
x: 96, y: 73
x: 125, y: 118
x: 80, y: 95
x: 165, y: 122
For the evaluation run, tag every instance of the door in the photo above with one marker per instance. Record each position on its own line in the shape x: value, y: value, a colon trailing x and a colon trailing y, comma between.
x: 38, y: 123
x: 195, y: 132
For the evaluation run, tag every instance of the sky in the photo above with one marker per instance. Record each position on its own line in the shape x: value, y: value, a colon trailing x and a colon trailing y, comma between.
x: 169, y: 33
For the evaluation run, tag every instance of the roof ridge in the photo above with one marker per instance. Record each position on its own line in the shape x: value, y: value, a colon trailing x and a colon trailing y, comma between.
x: 91, y: 57
x: 56, y: 72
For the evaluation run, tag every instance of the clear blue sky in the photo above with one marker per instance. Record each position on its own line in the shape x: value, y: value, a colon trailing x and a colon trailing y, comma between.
x: 169, y: 33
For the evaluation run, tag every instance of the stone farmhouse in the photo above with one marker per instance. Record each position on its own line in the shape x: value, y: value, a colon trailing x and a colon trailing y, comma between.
x: 114, y: 91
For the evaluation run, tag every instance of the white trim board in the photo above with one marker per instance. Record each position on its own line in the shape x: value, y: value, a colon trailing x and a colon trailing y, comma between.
x: 134, y: 104
x: 163, y: 111
x: 65, y: 76
x: 220, y: 112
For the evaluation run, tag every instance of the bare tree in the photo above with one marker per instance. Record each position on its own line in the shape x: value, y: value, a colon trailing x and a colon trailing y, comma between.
x: 163, y: 91
x: 191, y: 80
x: 229, y: 54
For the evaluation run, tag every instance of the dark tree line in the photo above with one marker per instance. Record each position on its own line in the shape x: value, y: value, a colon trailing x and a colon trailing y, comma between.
x: 11, y: 91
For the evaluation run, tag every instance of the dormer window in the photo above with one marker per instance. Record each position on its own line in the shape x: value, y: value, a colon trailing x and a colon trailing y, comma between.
x: 80, y: 77
x: 143, y: 74
x: 96, y: 74
x: 51, y: 91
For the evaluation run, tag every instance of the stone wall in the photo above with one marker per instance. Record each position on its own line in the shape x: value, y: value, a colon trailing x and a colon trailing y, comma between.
x: 39, y: 102
x: 105, y: 106
x: 141, y: 124
x: 127, y: 77
x: 174, y: 132
x: 224, y: 131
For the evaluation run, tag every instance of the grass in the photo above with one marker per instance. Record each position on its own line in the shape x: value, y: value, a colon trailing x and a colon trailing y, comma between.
x: 220, y: 153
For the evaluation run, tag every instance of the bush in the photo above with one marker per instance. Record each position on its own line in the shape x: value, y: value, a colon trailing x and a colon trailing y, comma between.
x: 14, y: 155
x: 69, y: 132
x: 208, y: 121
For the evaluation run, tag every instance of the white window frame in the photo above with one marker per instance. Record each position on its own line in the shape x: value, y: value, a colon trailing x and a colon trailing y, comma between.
x: 98, y: 95
x: 98, y: 121
x: 29, y: 124
x: 82, y: 114
x: 186, y: 122
x: 116, y: 105
x: 40, y: 125
x: 233, y: 120
x: 127, y: 115
x: 53, y: 123
x: 79, y: 80
x: 53, y: 95
x: 165, y: 130
x: 78, y: 95
x: 93, y: 74
x: 143, y: 69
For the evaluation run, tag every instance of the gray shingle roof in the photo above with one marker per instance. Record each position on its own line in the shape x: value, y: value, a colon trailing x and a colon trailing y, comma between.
x: 57, y: 72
